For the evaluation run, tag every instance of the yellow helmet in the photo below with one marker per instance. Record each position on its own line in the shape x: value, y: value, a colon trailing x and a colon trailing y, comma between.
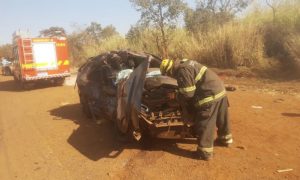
x: 166, y: 66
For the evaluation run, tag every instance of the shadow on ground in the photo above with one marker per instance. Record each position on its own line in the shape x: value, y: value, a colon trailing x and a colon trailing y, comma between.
x: 291, y: 114
x: 12, y: 86
x: 99, y: 141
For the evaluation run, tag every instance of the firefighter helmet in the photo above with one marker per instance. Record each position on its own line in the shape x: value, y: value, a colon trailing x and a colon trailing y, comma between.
x: 166, y: 66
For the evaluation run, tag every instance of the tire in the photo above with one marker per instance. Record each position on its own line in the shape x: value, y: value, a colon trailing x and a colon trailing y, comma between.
x: 24, y: 85
x: 120, y: 136
x: 146, y: 141
x: 7, y: 71
x: 15, y: 78
x: 85, y: 107
x: 59, y: 81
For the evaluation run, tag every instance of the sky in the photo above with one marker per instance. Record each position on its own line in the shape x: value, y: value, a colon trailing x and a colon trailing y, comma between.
x: 36, y: 15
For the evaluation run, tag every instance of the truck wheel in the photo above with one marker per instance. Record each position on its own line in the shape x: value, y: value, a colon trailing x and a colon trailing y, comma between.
x: 15, y: 78
x: 6, y: 71
x: 60, y: 81
x: 26, y: 85
x: 9, y: 71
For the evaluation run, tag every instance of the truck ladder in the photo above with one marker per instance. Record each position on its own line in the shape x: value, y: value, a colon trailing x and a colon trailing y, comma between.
x: 27, y: 50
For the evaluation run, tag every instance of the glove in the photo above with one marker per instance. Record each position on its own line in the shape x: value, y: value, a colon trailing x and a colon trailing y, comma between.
x: 187, y: 109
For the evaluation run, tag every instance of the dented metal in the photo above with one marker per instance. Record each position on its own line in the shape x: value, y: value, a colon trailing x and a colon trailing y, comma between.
x: 142, y: 100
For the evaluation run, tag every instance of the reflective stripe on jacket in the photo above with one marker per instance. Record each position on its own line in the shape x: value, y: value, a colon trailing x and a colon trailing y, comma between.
x: 198, y: 82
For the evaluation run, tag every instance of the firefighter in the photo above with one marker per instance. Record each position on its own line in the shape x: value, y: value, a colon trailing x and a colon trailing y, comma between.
x: 201, y: 89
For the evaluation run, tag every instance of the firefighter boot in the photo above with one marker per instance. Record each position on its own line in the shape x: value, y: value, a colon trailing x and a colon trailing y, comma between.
x: 224, y: 141
x: 203, y: 155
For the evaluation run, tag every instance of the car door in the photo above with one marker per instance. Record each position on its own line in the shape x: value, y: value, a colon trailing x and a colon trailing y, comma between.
x: 129, y: 97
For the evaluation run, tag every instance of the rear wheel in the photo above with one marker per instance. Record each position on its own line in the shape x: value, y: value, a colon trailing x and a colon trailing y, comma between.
x: 85, y: 106
x: 59, y: 81
x: 15, y: 78
x: 24, y: 85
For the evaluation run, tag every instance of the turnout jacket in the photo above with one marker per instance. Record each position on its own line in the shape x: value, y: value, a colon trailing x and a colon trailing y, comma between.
x: 198, y: 82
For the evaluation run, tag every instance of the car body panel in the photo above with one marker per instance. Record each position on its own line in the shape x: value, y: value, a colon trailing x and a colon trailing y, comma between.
x: 143, y: 100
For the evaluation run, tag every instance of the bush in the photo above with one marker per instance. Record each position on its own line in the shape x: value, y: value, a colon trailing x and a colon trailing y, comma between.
x: 230, y: 46
x: 282, y: 37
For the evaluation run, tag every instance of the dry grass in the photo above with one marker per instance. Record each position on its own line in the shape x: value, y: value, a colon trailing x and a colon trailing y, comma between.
x: 256, y: 41
x: 230, y: 46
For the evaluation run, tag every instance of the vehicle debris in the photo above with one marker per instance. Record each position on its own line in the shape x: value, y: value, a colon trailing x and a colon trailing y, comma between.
x: 230, y: 88
x: 284, y: 170
x: 256, y: 107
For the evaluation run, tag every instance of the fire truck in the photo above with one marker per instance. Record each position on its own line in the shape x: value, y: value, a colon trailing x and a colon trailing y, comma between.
x: 37, y: 59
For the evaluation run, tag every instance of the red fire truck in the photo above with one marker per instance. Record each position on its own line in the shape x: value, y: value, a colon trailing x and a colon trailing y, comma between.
x: 40, y: 59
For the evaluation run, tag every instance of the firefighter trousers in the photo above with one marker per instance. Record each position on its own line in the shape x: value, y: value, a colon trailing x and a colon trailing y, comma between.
x: 207, y: 118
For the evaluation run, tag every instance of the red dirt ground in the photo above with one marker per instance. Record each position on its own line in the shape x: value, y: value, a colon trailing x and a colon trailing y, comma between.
x: 44, y: 135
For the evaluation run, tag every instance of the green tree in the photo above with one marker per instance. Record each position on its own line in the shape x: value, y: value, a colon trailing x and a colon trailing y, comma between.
x: 108, y: 32
x: 53, y: 32
x: 273, y: 4
x: 212, y: 13
x: 6, y: 51
x: 92, y: 34
x: 89, y: 41
x: 76, y: 46
x: 134, y: 34
x: 95, y: 34
x: 161, y: 15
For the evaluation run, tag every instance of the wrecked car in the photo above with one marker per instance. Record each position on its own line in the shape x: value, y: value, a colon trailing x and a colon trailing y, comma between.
x: 127, y: 88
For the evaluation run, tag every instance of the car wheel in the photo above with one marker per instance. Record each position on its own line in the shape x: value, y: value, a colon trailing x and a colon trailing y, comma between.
x: 146, y: 141
x: 85, y: 106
